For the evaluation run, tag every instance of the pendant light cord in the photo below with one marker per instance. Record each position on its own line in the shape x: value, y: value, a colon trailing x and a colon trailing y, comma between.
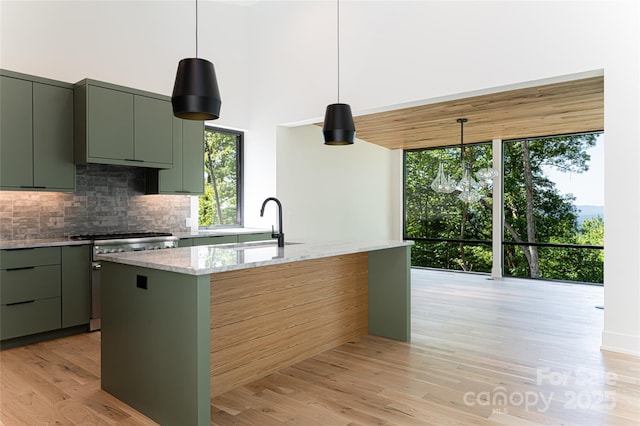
x: 338, y: 50
x: 462, y: 121
x: 196, y: 28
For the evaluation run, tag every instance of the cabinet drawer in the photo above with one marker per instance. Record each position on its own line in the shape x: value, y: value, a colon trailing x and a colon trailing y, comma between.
x: 242, y: 238
x: 205, y: 241
x: 185, y: 242
x: 21, y: 285
x: 22, y: 258
x: 29, y: 318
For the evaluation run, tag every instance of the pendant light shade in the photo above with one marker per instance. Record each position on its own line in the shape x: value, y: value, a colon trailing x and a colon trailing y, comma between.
x: 338, y: 127
x: 468, y: 187
x: 195, y: 93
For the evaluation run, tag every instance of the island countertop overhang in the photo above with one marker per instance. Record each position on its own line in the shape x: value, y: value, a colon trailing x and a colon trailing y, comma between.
x: 205, y: 260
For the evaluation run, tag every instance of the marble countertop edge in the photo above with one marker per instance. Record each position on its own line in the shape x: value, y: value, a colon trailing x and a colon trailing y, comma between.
x: 39, y: 242
x: 211, y: 259
x: 65, y: 241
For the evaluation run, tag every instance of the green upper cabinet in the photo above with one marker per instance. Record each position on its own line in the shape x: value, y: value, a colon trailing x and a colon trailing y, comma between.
x: 36, y: 133
x: 110, y: 124
x: 122, y: 126
x: 193, y: 156
x: 187, y: 174
x: 153, y: 130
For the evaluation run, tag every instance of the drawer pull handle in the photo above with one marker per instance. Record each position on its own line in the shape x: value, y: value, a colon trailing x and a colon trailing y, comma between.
x: 20, y: 303
x: 21, y: 269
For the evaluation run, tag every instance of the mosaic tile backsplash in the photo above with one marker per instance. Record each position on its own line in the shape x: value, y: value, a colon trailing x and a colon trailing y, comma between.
x: 107, y: 199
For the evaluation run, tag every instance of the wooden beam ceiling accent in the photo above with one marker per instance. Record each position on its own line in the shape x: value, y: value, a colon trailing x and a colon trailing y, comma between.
x: 560, y: 108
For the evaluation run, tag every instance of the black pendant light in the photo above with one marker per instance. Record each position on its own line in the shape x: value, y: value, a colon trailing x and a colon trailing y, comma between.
x: 195, y: 92
x: 338, y: 127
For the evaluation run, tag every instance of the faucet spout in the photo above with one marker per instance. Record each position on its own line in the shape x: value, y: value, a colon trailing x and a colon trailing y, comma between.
x: 280, y: 234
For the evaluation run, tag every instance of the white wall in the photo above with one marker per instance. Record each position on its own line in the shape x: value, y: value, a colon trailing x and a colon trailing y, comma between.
x: 276, y: 64
x: 394, y: 52
x: 337, y: 192
x: 131, y: 43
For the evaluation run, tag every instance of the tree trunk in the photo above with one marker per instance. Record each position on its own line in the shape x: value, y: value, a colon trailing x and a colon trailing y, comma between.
x: 534, y: 262
x: 514, y: 234
x: 465, y: 217
x: 214, y: 184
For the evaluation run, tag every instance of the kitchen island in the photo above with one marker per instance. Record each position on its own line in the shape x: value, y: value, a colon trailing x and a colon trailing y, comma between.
x: 181, y: 326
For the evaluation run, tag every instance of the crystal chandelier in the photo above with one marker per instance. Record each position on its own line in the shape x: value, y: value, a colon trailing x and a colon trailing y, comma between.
x: 468, y: 186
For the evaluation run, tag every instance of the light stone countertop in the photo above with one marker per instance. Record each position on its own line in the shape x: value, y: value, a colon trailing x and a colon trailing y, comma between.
x: 204, y: 260
x: 217, y: 232
x: 40, y: 242
x: 65, y: 241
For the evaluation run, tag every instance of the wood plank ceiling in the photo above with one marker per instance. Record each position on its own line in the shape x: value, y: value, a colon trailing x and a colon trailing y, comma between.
x: 560, y: 108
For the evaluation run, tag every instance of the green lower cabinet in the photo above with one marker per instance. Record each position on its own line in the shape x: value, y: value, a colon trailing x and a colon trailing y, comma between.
x: 30, y: 283
x: 390, y: 293
x: 224, y: 239
x: 45, y: 289
x: 29, y: 257
x: 243, y: 238
x: 157, y: 321
x: 185, y: 242
x: 35, y: 316
x: 76, y: 285
x: 219, y: 239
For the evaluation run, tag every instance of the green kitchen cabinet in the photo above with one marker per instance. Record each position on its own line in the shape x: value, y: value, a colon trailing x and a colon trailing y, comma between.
x: 36, y: 135
x: 122, y: 126
x: 29, y: 257
x: 44, y: 290
x: 185, y: 242
x: 243, y: 238
x: 187, y: 174
x: 76, y: 285
x: 30, y: 291
x: 206, y: 240
x: 217, y: 239
x: 36, y: 316
x: 153, y: 126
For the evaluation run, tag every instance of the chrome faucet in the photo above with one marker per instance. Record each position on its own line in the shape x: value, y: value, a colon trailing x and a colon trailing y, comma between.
x: 279, y: 235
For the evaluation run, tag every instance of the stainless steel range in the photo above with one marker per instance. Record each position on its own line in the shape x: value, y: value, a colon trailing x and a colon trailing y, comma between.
x: 118, y: 243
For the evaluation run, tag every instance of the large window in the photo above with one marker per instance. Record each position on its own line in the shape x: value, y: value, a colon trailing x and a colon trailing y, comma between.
x: 448, y: 233
x: 221, y: 204
x: 554, y: 208
x: 553, y: 221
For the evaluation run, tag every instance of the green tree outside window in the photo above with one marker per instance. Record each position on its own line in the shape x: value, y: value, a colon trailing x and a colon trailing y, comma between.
x: 221, y: 203
x: 451, y: 234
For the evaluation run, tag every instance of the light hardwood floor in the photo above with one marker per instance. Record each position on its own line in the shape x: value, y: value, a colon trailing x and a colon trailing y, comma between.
x: 512, y: 352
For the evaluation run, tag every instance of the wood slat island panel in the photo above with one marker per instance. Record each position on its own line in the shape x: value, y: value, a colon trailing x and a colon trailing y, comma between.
x: 264, y: 319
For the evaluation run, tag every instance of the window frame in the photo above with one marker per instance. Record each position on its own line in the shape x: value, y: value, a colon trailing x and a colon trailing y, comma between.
x: 504, y: 242
x: 239, y: 177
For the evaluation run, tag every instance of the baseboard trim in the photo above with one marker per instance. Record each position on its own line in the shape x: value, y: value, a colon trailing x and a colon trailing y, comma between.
x: 41, y: 337
x: 622, y: 343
